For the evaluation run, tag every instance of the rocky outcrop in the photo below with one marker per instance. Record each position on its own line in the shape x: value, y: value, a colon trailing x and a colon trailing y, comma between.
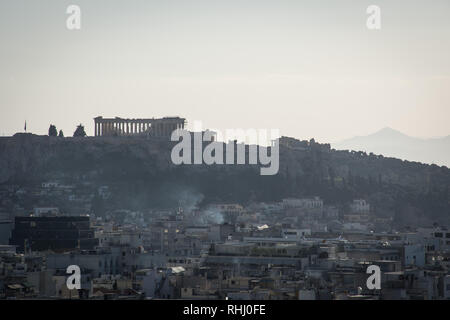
x: 306, y: 168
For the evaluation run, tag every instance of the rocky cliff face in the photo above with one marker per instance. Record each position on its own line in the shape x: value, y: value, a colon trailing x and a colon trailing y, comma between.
x: 306, y: 168
x: 27, y: 157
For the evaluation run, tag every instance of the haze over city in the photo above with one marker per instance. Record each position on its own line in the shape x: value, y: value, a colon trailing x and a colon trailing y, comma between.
x: 123, y: 175
x: 309, y: 69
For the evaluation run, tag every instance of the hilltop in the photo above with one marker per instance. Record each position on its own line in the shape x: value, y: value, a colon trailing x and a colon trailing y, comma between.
x: 390, y: 142
x: 141, y: 172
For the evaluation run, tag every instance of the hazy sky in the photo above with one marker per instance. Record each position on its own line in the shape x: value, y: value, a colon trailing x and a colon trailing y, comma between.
x: 310, y: 68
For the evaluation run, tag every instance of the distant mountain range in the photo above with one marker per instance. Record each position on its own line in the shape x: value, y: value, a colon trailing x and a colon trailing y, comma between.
x: 392, y: 143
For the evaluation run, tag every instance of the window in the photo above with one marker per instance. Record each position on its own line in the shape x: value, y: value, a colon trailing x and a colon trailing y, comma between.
x: 438, y: 234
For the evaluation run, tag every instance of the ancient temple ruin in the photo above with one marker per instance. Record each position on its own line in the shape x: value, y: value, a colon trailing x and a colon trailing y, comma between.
x: 130, y: 127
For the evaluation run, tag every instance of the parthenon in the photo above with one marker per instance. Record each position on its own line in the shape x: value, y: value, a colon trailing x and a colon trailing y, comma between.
x: 162, y: 127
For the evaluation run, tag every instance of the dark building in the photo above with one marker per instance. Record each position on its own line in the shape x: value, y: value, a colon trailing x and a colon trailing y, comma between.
x: 53, y: 233
x: 5, y: 231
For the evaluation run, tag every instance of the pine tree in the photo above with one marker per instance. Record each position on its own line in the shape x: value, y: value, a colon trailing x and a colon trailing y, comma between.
x: 52, y: 132
x: 79, y: 132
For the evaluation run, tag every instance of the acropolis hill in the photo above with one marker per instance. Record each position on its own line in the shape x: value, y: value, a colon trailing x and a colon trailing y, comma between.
x: 141, y: 167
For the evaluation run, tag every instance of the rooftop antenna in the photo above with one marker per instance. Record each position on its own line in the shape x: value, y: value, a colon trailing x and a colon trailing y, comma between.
x: 25, y: 126
x: 180, y: 208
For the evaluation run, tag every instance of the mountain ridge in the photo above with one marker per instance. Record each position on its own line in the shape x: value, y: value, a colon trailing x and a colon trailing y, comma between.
x: 393, y: 143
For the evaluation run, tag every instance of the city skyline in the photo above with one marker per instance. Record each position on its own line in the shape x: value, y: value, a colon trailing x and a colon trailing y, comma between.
x: 232, y: 158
